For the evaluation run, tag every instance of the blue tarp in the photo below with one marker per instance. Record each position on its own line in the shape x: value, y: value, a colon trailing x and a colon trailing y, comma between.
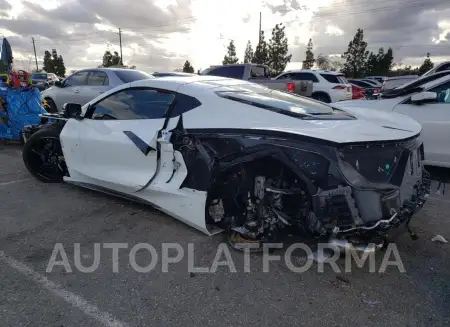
x: 23, y: 108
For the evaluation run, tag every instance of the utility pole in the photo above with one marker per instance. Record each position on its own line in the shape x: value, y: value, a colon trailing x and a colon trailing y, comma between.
x: 260, y: 18
x: 120, y: 41
x: 35, y: 57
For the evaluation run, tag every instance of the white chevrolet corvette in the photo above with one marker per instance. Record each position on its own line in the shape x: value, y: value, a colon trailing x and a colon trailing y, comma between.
x: 228, y: 155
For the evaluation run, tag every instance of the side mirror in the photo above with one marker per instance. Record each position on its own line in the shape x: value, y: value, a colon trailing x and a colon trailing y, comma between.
x: 58, y: 84
x: 424, y: 97
x: 72, y: 110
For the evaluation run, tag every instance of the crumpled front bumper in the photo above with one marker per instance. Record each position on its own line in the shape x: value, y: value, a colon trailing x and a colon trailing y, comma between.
x: 402, y: 214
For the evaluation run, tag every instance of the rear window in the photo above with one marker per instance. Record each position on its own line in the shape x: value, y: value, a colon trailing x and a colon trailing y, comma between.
x: 281, y: 102
x: 260, y: 72
x: 335, y: 79
x: 128, y: 76
x: 39, y: 76
x: 226, y: 71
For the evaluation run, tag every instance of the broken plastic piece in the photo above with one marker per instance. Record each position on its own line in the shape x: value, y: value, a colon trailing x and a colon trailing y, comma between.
x: 439, y: 238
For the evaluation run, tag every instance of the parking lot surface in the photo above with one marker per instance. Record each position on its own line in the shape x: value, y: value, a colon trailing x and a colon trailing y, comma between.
x: 35, y: 216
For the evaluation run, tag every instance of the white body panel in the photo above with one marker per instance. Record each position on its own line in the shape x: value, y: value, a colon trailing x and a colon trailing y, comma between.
x: 100, y: 154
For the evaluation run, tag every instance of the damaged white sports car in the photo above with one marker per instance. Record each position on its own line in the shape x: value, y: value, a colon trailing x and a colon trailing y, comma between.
x: 227, y: 155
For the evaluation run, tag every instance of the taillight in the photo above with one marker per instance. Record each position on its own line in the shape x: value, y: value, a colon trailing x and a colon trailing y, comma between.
x: 339, y: 87
x: 290, y: 87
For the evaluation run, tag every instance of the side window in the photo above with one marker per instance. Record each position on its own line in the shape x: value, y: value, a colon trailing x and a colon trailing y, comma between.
x: 183, y: 104
x: 76, y: 79
x: 443, y: 92
x: 285, y: 76
x: 331, y: 78
x: 97, y: 78
x: 228, y: 71
x: 134, y: 104
x: 305, y: 77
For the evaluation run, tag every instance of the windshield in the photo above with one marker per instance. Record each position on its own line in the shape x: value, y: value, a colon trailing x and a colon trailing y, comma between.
x: 282, y: 102
x: 128, y: 76
x: 38, y: 76
x: 394, y: 83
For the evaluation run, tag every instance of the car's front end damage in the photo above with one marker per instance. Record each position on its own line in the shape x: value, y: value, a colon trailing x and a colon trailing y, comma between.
x: 263, y: 185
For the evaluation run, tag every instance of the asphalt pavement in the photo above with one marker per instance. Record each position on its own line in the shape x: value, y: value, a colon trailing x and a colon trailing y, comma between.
x: 36, y: 216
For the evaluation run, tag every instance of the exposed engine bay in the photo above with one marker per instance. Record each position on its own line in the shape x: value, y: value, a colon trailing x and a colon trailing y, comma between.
x: 261, y: 187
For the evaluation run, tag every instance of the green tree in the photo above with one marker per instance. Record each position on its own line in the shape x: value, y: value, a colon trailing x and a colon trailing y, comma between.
x: 261, y: 55
x: 187, y: 68
x: 248, y: 56
x: 115, y: 60
x: 54, y: 63
x: 60, y: 67
x: 278, y: 50
x: 107, y: 59
x: 323, y: 62
x: 230, y: 57
x: 356, y: 56
x: 309, y: 61
x: 387, y: 62
x: 426, y: 66
x: 380, y: 63
x: 47, y: 61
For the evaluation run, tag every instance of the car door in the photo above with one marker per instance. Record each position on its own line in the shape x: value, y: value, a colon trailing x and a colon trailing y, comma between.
x: 435, y: 120
x: 96, y: 84
x: 70, y: 89
x: 115, y: 145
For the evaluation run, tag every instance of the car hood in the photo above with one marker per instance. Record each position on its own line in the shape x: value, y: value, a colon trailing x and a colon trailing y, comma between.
x: 382, y: 104
x: 370, y: 126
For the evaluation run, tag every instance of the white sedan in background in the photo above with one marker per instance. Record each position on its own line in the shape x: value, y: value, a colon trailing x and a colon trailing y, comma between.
x: 430, y: 106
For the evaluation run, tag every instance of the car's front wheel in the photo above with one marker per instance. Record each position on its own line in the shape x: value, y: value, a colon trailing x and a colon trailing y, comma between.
x: 51, y: 106
x: 43, y: 156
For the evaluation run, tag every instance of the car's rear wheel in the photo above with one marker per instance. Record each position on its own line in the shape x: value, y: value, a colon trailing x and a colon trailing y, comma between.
x: 321, y: 97
x: 43, y: 156
x: 51, y: 106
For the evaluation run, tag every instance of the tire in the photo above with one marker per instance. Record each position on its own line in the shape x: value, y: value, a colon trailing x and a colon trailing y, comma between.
x: 323, y: 97
x: 43, y: 157
x: 52, y: 106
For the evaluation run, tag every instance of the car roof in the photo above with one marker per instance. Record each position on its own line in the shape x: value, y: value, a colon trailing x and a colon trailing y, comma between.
x: 402, y: 77
x: 173, y: 74
x: 313, y: 71
x: 173, y: 83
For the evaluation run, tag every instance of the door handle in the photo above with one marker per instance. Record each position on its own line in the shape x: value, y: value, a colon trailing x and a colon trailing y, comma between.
x: 77, y: 91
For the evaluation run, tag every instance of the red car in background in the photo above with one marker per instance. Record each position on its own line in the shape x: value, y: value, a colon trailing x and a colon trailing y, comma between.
x: 358, y: 92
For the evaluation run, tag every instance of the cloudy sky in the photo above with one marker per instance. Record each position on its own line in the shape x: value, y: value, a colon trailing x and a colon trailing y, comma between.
x: 159, y: 35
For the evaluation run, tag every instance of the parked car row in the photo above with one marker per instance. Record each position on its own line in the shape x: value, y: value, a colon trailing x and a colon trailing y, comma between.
x: 431, y: 91
x: 426, y: 100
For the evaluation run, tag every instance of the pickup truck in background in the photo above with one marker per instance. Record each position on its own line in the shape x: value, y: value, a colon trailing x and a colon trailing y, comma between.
x: 260, y: 74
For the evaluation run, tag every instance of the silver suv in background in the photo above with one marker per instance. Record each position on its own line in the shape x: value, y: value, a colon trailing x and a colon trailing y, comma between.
x: 43, y: 80
x: 87, y: 84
